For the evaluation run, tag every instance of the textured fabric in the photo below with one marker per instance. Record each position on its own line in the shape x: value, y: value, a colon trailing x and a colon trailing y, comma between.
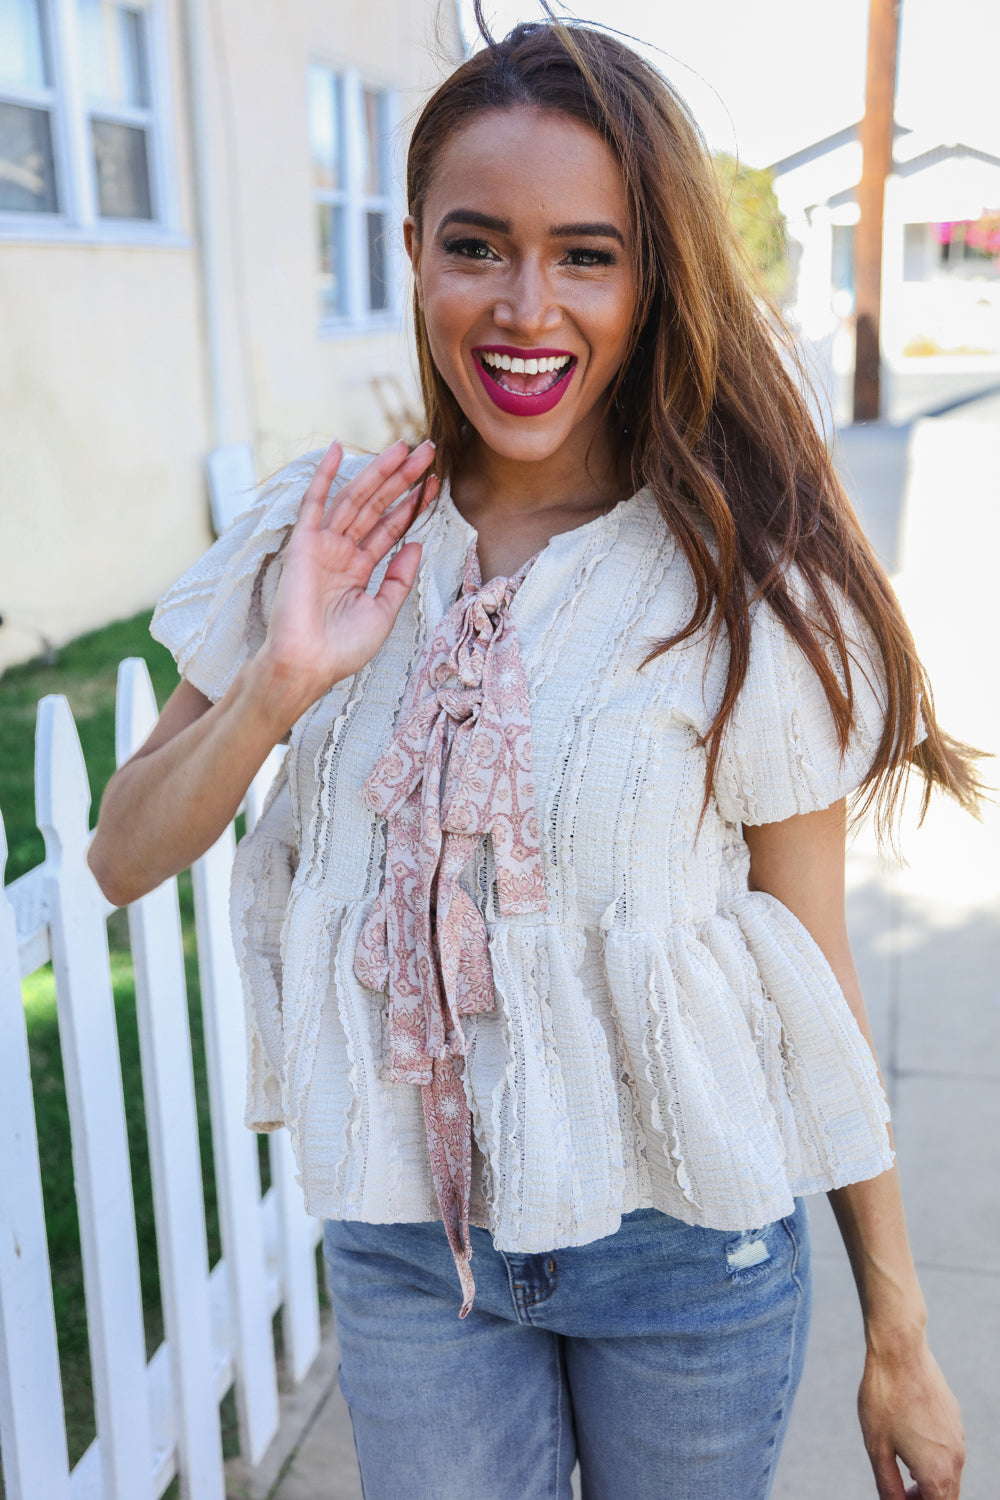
x: 662, y: 1036
x: 458, y: 768
x: 667, y: 1385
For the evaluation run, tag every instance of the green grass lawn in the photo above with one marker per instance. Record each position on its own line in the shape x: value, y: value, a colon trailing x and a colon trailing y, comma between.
x: 85, y: 672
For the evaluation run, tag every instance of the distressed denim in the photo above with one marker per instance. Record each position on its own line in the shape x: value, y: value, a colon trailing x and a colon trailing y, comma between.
x: 664, y: 1358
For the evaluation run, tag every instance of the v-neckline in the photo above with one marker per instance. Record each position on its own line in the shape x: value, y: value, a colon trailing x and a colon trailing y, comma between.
x: 555, y: 542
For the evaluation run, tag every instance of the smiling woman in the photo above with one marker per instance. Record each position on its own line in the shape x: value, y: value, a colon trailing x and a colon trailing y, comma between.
x: 542, y: 930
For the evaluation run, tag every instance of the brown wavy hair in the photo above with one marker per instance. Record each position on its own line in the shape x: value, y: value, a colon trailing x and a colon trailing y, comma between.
x: 711, y: 420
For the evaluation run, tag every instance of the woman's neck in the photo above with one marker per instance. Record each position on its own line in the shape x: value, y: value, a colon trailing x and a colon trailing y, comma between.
x: 518, y: 507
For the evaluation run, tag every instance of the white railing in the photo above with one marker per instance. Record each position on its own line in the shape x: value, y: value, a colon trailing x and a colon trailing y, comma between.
x: 157, y: 1418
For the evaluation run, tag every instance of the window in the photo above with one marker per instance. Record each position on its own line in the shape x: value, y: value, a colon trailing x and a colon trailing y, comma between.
x: 113, y: 48
x: 349, y: 126
x: 81, y: 129
x: 27, y: 101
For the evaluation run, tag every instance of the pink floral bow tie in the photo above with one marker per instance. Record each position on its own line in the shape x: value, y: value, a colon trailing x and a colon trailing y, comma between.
x: 459, y: 766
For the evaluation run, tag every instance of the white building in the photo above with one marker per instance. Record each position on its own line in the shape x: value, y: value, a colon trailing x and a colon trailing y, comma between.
x: 940, y: 300
x: 199, y: 249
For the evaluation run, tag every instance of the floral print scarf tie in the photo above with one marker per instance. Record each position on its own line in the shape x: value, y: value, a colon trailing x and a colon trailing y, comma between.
x: 458, y: 767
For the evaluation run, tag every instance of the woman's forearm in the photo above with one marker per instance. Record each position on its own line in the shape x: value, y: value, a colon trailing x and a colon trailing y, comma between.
x: 906, y: 1409
x: 872, y: 1226
x: 169, y: 803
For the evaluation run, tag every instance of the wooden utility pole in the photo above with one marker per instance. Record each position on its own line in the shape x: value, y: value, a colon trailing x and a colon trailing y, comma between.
x: 876, y: 162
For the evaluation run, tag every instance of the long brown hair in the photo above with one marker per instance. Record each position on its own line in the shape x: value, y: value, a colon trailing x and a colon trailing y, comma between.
x: 712, y: 422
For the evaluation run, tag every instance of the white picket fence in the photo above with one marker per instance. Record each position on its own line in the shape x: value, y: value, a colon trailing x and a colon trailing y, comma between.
x: 157, y: 1418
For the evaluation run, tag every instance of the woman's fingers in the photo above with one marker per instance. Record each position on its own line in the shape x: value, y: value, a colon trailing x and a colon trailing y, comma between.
x: 314, y: 500
x: 888, y: 1480
x: 398, y: 582
x: 362, y: 500
x: 393, y: 523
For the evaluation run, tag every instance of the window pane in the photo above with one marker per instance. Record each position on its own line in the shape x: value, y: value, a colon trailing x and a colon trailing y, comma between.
x: 374, y: 143
x: 27, y: 172
x: 22, y: 53
x: 325, y: 135
x: 132, y: 51
x: 331, y: 279
x: 113, y: 42
x: 378, y: 269
x: 122, y: 170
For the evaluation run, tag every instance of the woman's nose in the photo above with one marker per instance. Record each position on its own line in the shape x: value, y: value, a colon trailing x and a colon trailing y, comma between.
x: 527, y: 305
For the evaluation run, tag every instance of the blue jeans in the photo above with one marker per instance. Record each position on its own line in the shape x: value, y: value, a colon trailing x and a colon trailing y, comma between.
x: 664, y: 1358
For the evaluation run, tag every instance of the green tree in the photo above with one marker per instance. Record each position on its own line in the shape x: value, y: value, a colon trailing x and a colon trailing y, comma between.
x: 759, y: 222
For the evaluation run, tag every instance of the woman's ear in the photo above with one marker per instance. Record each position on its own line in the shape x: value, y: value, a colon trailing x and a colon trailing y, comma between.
x: 411, y: 240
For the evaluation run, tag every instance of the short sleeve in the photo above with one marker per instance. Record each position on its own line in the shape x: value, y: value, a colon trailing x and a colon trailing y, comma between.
x: 780, y: 753
x: 214, y: 618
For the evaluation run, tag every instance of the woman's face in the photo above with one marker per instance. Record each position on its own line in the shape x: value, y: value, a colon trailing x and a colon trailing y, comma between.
x: 525, y: 272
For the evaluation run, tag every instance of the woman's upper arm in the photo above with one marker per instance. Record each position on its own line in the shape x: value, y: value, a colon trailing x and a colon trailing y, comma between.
x: 800, y: 861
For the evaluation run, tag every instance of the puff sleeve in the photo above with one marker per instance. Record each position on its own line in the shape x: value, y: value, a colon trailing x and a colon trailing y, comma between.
x: 215, y: 617
x: 780, y: 754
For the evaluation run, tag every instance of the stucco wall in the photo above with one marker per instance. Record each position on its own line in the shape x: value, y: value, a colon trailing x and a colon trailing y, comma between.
x: 103, y: 435
x: 103, y: 367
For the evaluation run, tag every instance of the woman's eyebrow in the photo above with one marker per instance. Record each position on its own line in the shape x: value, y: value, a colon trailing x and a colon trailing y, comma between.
x: 503, y: 226
x: 477, y: 220
x: 599, y: 231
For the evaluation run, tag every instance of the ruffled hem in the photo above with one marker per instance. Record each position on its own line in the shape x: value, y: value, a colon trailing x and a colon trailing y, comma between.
x: 713, y: 1071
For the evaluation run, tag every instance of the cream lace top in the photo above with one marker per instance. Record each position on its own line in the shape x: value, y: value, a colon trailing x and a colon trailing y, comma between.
x: 661, y: 1036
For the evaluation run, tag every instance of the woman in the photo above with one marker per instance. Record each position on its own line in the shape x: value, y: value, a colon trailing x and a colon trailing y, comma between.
x: 542, y: 929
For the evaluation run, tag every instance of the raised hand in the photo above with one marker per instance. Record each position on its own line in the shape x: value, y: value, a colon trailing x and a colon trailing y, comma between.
x: 324, y: 625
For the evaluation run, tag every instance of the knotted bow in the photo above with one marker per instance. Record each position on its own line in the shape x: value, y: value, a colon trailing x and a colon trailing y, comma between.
x: 458, y: 766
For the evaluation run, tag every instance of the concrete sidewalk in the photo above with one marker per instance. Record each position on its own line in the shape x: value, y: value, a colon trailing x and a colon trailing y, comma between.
x: 927, y: 942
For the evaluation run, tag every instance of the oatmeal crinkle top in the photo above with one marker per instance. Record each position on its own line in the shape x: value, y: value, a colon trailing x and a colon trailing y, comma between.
x: 659, y: 1035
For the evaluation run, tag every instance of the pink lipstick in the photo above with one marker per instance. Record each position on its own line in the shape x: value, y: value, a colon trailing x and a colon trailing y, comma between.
x: 524, y: 382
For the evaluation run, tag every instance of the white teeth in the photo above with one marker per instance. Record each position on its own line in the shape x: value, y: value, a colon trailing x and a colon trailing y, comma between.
x: 545, y: 366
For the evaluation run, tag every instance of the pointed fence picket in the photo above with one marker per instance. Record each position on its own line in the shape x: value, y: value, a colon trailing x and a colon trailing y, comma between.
x: 31, y: 1404
x: 237, y: 1174
x: 89, y: 1042
x: 158, y: 1418
x: 297, y: 1231
x: 172, y: 1121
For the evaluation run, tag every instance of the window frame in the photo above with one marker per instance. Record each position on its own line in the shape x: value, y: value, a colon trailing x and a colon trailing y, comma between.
x: 357, y: 204
x: 77, y: 220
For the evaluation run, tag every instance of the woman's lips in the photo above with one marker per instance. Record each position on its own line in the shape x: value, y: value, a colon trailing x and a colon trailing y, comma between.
x: 524, y: 393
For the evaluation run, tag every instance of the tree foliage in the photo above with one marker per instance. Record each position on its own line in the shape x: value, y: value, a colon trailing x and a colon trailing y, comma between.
x: 759, y: 222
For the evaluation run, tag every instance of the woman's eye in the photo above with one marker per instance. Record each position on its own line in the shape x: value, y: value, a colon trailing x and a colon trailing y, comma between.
x: 470, y: 249
x: 590, y: 258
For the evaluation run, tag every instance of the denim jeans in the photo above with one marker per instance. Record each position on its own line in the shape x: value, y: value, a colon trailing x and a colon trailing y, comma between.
x: 664, y: 1358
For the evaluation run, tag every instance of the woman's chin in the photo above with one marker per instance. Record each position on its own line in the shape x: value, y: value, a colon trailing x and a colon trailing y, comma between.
x: 519, y: 447
x: 530, y: 440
